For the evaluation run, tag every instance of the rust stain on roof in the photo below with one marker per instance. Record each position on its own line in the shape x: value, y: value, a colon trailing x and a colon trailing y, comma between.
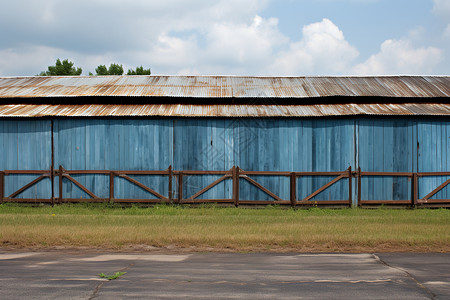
x: 419, y: 89
x: 227, y: 110
x: 226, y: 86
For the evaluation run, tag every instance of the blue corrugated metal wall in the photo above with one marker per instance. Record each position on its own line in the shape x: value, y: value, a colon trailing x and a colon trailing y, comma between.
x: 387, y: 145
x: 294, y: 145
x: 289, y: 144
x: 433, y: 152
x: 204, y: 144
x: 119, y: 144
x: 26, y: 145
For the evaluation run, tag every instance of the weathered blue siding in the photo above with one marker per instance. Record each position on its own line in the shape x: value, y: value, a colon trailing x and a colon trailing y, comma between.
x: 295, y: 145
x: 26, y: 145
x: 387, y: 145
x: 433, y: 156
x: 203, y: 144
x: 114, y: 144
x: 264, y: 144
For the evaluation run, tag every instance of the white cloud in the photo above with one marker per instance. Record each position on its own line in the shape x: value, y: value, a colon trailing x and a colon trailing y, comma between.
x: 351, y: 1
x: 400, y: 57
x: 442, y: 8
x: 242, y: 43
x: 187, y: 37
x: 116, y: 30
x: 171, y: 54
x: 417, y: 33
x: 96, y: 26
x: 18, y: 61
x: 226, y: 48
x: 322, y: 49
x: 258, y: 48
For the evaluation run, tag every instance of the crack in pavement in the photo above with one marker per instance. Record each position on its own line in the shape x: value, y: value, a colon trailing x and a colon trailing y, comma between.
x: 96, y: 290
x: 100, y: 285
x: 409, y: 275
x: 269, y: 283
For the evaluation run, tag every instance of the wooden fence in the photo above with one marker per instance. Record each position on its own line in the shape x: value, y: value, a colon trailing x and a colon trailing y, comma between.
x: 175, y: 195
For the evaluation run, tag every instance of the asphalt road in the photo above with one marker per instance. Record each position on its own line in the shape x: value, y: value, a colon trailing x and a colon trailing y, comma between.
x: 74, y: 275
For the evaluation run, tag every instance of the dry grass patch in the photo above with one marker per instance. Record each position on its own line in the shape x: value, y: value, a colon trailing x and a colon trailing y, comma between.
x: 225, y: 229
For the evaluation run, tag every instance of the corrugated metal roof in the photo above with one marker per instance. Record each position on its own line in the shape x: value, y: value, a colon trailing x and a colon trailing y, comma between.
x: 228, y: 110
x: 422, y: 88
x: 226, y: 86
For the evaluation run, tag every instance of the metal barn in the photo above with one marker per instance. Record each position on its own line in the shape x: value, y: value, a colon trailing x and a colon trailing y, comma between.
x: 226, y: 139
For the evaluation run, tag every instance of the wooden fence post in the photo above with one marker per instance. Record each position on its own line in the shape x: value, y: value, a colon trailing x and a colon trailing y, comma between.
x: 350, y: 191
x: 415, y: 189
x: 180, y: 187
x: 293, y: 189
x: 111, y: 186
x: 52, y: 182
x: 236, y: 185
x: 2, y: 186
x: 60, y: 184
x: 359, y: 186
x: 170, y: 184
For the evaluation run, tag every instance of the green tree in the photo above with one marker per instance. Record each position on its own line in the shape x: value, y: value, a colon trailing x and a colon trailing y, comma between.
x: 139, y: 71
x: 114, y: 69
x: 101, y: 70
x: 64, y: 68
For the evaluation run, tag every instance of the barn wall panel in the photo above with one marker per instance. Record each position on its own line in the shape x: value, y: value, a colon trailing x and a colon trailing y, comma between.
x: 25, y: 144
x: 295, y: 145
x: 387, y: 145
x: 203, y: 144
x: 284, y: 144
x: 113, y: 144
x: 433, y: 156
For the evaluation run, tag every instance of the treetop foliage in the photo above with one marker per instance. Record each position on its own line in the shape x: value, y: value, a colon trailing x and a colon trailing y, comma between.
x: 139, y: 71
x: 114, y: 69
x: 64, y: 68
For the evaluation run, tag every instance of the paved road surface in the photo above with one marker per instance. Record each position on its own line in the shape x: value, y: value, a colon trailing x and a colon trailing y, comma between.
x: 73, y: 275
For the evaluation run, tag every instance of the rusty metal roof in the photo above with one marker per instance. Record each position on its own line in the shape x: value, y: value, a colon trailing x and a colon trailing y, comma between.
x: 223, y: 110
x: 225, y: 86
x: 420, y: 95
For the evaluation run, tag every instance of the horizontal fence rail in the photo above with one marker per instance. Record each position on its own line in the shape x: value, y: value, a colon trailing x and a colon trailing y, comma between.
x: 42, y: 174
x: 426, y: 199
x: 362, y: 202
x: 174, y: 192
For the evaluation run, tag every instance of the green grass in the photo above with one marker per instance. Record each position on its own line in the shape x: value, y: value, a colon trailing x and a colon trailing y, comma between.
x: 113, y: 276
x: 210, y: 228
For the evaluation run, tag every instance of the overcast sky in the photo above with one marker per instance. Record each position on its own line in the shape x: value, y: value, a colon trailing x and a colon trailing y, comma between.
x: 229, y: 37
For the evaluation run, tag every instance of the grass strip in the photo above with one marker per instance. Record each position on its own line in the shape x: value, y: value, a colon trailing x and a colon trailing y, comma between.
x: 210, y: 228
